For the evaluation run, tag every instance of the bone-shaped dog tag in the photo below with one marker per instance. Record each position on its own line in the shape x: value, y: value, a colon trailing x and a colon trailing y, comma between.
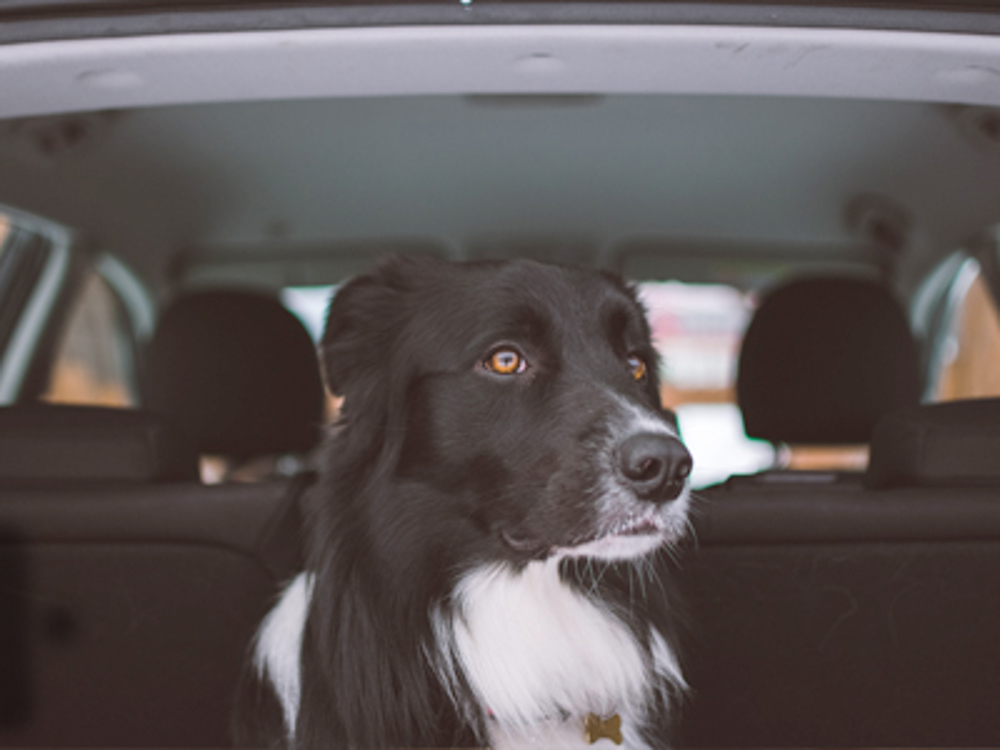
x: 595, y: 728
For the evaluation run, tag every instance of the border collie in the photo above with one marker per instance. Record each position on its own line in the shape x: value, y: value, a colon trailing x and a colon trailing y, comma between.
x: 479, y: 565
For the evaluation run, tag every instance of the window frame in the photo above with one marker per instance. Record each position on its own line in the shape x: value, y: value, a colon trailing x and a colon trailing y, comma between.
x: 35, y: 313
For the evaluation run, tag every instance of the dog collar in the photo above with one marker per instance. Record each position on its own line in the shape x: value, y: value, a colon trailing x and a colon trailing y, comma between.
x: 596, y: 728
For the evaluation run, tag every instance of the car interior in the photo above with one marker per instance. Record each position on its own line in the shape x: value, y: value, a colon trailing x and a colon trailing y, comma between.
x: 168, y: 188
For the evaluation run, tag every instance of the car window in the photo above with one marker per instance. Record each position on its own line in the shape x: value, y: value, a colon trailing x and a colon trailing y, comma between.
x: 94, y: 363
x: 22, y: 260
x: 309, y: 304
x: 969, y: 365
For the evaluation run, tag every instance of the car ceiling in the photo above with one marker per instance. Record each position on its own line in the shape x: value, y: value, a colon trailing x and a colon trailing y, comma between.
x: 891, y: 169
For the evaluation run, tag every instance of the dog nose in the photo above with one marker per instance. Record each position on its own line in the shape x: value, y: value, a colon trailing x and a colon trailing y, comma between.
x: 655, y: 466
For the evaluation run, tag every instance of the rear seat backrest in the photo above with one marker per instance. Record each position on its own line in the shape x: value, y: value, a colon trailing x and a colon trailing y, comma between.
x: 129, y: 591
x: 855, y: 614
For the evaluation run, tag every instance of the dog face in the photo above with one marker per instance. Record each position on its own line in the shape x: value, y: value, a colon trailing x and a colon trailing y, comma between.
x: 513, y: 406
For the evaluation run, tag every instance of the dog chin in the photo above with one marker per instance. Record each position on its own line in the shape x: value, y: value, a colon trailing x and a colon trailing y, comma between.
x: 615, y: 547
x: 611, y: 546
x: 625, y: 532
x: 636, y: 536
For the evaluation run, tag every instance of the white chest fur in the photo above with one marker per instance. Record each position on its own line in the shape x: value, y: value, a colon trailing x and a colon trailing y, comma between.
x: 539, y: 657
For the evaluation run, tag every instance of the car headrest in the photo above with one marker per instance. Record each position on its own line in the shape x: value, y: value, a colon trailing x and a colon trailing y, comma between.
x: 823, y: 359
x: 75, y: 443
x: 950, y: 443
x: 238, y: 371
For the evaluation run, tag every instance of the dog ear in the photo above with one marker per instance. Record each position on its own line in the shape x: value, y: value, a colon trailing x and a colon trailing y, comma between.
x: 359, y: 329
x: 363, y: 322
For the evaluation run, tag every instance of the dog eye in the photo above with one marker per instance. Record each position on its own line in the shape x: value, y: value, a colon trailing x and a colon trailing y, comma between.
x: 506, y: 362
x: 637, y: 366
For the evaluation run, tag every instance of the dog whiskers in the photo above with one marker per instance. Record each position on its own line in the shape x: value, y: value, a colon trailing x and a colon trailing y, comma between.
x: 645, y: 565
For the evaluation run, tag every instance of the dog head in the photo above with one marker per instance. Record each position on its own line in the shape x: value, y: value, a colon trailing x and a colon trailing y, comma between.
x: 513, y: 407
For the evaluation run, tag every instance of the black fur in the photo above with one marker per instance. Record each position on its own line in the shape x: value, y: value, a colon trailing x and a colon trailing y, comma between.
x: 438, y: 465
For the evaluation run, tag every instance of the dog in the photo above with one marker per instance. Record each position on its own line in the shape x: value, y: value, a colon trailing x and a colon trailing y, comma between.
x: 479, y: 556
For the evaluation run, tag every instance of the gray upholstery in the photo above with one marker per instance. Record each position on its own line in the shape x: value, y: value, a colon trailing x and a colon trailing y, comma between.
x: 938, y: 444
x: 40, y: 443
x: 831, y: 613
x: 127, y: 610
x: 129, y: 592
